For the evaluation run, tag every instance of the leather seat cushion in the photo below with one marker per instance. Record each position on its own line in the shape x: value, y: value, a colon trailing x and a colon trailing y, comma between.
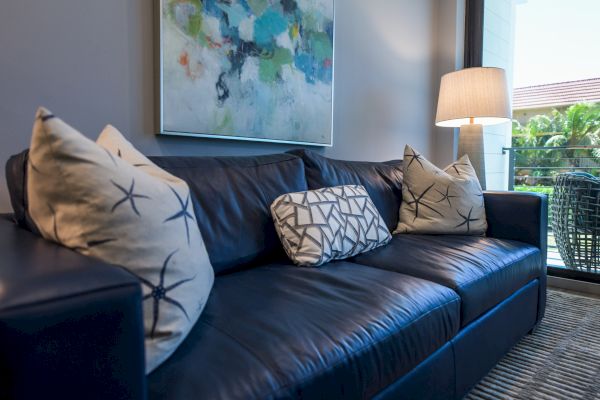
x: 483, y: 271
x: 280, y: 331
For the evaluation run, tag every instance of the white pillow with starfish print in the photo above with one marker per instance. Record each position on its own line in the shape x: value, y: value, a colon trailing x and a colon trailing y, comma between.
x: 110, y: 202
x: 436, y: 201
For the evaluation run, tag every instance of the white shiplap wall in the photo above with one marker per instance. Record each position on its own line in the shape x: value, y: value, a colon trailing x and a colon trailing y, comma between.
x: 498, y: 50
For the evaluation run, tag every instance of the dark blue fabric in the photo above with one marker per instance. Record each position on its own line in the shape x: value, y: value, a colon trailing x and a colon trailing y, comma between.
x: 232, y: 200
x: 70, y: 327
x: 382, y: 180
x: 483, y: 271
x: 281, y: 331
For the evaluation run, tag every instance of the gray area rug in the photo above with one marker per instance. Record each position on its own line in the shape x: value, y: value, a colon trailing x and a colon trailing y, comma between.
x: 561, y: 360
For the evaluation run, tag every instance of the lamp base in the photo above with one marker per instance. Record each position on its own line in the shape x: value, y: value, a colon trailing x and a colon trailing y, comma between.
x: 470, y: 142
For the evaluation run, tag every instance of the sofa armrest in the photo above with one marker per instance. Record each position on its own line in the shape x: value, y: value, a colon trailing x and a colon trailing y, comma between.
x: 518, y: 216
x: 70, y: 326
x: 521, y: 216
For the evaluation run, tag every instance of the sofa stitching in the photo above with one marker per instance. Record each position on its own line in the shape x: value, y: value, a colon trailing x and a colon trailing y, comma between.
x: 455, y: 380
x: 242, y: 345
x: 282, y: 161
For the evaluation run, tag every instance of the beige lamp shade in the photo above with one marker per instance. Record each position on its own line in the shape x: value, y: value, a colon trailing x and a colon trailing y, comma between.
x: 473, y: 95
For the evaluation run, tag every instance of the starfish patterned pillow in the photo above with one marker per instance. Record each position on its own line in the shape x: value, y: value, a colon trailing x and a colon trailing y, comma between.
x: 110, y: 202
x: 436, y: 201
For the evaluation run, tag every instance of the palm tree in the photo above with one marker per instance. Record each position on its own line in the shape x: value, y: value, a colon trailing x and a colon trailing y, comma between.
x: 578, y: 125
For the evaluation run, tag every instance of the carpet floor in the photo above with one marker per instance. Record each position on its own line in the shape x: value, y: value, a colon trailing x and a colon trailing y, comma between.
x: 561, y: 360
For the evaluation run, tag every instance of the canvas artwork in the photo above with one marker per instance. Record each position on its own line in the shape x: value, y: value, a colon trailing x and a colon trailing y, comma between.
x: 248, y: 69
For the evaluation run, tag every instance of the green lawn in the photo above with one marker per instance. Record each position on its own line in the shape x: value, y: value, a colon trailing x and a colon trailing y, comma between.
x: 549, y: 190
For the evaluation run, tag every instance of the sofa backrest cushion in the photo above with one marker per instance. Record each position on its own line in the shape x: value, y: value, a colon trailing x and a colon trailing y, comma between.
x: 16, y: 180
x: 382, y: 180
x: 232, y: 200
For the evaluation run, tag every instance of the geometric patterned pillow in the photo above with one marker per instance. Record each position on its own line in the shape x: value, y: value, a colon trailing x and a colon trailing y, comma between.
x: 318, y: 226
x: 436, y: 201
x: 95, y: 202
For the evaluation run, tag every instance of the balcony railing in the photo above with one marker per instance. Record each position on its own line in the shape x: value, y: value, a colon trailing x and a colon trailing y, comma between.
x: 574, y: 159
x: 536, y: 168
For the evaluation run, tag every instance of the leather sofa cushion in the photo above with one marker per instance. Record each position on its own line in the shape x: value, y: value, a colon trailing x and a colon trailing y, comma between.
x: 483, y: 271
x: 279, y: 331
x: 232, y: 203
x: 382, y: 180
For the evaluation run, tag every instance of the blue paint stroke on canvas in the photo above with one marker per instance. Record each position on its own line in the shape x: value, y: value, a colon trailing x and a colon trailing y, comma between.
x: 252, y: 68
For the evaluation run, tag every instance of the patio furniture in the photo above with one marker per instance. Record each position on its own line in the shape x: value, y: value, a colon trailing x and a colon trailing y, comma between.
x: 576, y: 220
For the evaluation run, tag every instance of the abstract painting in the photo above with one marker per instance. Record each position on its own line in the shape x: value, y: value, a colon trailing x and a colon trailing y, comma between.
x: 247, y: 69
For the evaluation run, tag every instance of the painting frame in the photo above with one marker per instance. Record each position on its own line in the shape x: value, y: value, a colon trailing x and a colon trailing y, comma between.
x: 159, y: 51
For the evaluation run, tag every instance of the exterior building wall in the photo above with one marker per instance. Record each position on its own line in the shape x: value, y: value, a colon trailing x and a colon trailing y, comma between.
x: 498, y: 50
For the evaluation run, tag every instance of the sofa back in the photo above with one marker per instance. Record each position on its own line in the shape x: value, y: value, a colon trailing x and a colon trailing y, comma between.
x: 233, y: 195
x: 382, y: 180
x: 232, y: 203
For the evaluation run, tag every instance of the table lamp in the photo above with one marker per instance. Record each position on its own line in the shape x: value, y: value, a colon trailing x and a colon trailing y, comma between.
x: 469, y: 99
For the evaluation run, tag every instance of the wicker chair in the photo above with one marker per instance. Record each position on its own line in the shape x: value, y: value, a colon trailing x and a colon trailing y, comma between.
x: 576, y: 220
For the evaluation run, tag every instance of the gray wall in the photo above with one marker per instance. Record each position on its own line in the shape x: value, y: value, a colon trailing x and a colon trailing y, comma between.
x: 91, y: 63
x: 449, y: 53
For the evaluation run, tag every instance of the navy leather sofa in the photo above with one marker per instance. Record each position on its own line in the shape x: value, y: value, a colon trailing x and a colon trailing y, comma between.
x: 424, y: 317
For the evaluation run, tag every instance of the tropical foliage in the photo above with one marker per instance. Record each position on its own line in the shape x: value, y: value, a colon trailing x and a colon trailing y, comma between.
x: 578, y: 125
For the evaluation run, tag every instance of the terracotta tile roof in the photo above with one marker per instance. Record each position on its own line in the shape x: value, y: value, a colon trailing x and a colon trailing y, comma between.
x: 557, y: 94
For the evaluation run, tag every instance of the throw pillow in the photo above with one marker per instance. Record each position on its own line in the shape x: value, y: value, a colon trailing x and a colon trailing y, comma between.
x: 436, y: 201
x: 112, y: 140
x: 318, y: 226
x: 91, y: 200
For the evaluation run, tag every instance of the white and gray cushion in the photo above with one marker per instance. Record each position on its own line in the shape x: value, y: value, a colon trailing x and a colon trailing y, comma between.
x: 318, y: 226
x: 117, y: 207
x: 436, y: 201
